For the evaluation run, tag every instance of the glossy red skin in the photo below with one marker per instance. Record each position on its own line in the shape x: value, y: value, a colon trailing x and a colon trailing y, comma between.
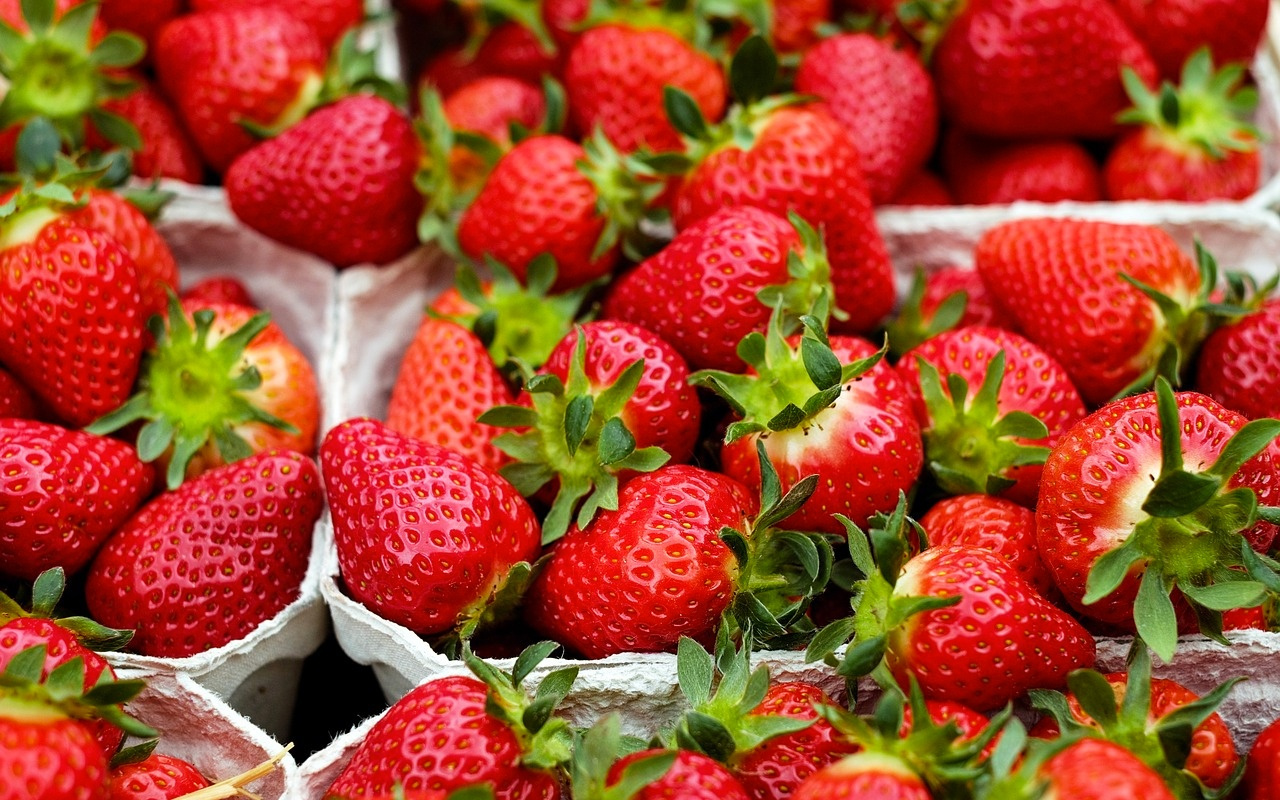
x: 537, y: 201
x: 1033, y: 382
x: 633, y: 580
x: 664, y: 411
x: 489, y: 105
x: 439, y: 737
x: 1002, y: 639
x: 699, y: 292
x: 985, y: 171
x: 865, y: 449
x: 338, y: 184
x: 1213, y: 756
x: 219, y: 289
x: 692, y: 776
x: 1143, y: 165
x: 446, y: 380
x: 883, y: 96
x: 1239, y: 364
x: 923, y: 189
x: 1096, y: 479
x: 157, y: 269
x: 401, y: 505
x: 1173, y: 29
x: 864, y: 775
x: 208, y: 563
x: 73, y: 490
x: 1060, y: 279
x: 167, y: 149
x: 15, y: 398
x: 222, y: 66
x: 777, y: 766
x: 157, y: 777
x: 1262, y: 771
x: 1095, y: 769
x: 76, y: 341
x: 328, y: 18
x: 804, y: 161
x: 1025, y: 68
x: 993, y: 523
x: 979, y: 308
x: 58, y: 759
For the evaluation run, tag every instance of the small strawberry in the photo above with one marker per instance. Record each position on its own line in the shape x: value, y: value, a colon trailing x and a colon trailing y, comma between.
x: 65, y: 492
x: 1191, y: 143
x: 330, y: 19
x: 1239, y: 365
x: 1262, y: 773
x: 1174, y: 29
x: 491, y: 107
x: 993, y: 523
x: 400, y: 504
x: 691, y: 776
x: 986, y: 171
x: 157, y: 777
x: 244, y: 529
x: 509, y: 49
x: 165, y: 148
x: 218, y: 289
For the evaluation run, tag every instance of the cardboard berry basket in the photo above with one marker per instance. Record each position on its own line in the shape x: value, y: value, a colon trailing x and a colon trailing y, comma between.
x: 377, y: 314
x: 258, y: 675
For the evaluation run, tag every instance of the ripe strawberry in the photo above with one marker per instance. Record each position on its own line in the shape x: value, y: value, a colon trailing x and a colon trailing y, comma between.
x: 72, y: 490
x: 113, y: 214
x: 866, y: 774
x: 328, y: 18
x: 923, y: 189
x: 1192, y: 143
x: 476, y: 730
x: 459, y: 544
x: 218, y: 289
x: 508, y: 49
x: 994, y: 440
x: 231, y: 66
x: 1173, y: 29
x: 245, y: 527
x: 285, y: 187
x: 1262, y: 773
x: 1083, y: 769
x: 691, y: 776
x: 1239, y: 366
x: 986, y: 171
x: 157, y: 777
x: 490, y: 106
x: 615, y: 76
x: 884, y: 97
x: 167, y: 150
x: 15, y: 398
x: 684, y: 580
x: 1005, y: 68
x: 142, y: 19
x: 993, y: 523
x: 220, y: 382
x: 1122, y: 523
x: 1061, y: 279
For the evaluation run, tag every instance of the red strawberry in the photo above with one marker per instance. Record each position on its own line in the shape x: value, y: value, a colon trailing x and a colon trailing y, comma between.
x: 64, y: 493
x: 509, y: 49
x: 167, y: 149
x: 1087, y: 769
x: 111, y: 213
x: 218, y: 289
x: 220, y: 382
x: 15, y: 398
x: 1061, y: 279
x: 983, y: 441
x: 993, y: 523
x: 979, y: 309
x: 1239, y: 366
x: 628, y: 582
x: 143, y: 19
x: 923, y: 189
x: 328, y: 18
x: 615, y: 76
x: 884, y: 97
x: 1117, y: 524
x: 1023, y: 68
x: 986, y: 171
x: 1262, y: 773
x: 691, y: 776
x: 459, y: 529
x: 866, y: 774
x: 1192, y: 143
x: 1173, y: 29
x: 156, y: 777
x: 244, y: 528
x: 490, y: 106
x: 231, y: 66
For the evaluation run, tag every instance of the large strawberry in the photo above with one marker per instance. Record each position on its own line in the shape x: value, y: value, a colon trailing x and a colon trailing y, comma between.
x: 1079, y: 768
x: 64, y: 493
x: 220, y: 382
x: 1174, y: 29
x: 1067, y: 283
x: 207, y: 563
x: 1155, y: 495
x: 999, y: 525
x: 461, y: 529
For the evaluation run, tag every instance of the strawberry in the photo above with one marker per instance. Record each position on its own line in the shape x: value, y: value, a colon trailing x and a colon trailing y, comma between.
x: 220, y: 382
x: 993, y: 523
x: 141, y: 19
x: 285, y: 187
x: 328, y: 18
x: 1083, y: 768
x: 994, y: 441
x: 491, y: 106
x: 508, y: 49
x: 1067, y: 283
x: 166, y: 150
x: 245, y: 528
x: 691, y: 776
x: 941, y: 300
x: 923, y: 189
x: 1238, y: 365
x: 864, y: 775
x: 1262, y: 773
x: 156, y: 777
x: 883, y: 96
x: 987, y: 171
x: 460, y: 545
x: 15, y: 398
x: 232, y: 66
x: 476, y: 730
x: 1192, y: 142
x: 781, y: 156
x: 110, y: 212
x: 218, y: 289
x: 615, y: 76
x: 72, y: 491
x: 1123, y: 524
x: 1005, y: 68
x: 1173, y: 29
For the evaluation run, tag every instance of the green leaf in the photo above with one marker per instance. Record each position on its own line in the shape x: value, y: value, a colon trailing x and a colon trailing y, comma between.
x: 1095, y: 695
x: 1109, y: 571
x: 38, y: 14
x: 1153, y: 615
x: 684, y: 113
x: 862, y: 657
x: 532, y: 656
x: 577, y: 417
x: 1021, y: 425
x: 1247, y: 442
x: 116, y: 129
x: 710, y: 735
x: 616, y: 442
x: 38, y: 146
x: 753, y: 71
x: 830, y: 639
x: 820, y: 363
x: 795, y: 497
x: 642, y: 772
x: 509, y: 417
x: 1178, y: 493
x: 695, y: 670
x: 1226, y: 596
x: 118, y: 49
